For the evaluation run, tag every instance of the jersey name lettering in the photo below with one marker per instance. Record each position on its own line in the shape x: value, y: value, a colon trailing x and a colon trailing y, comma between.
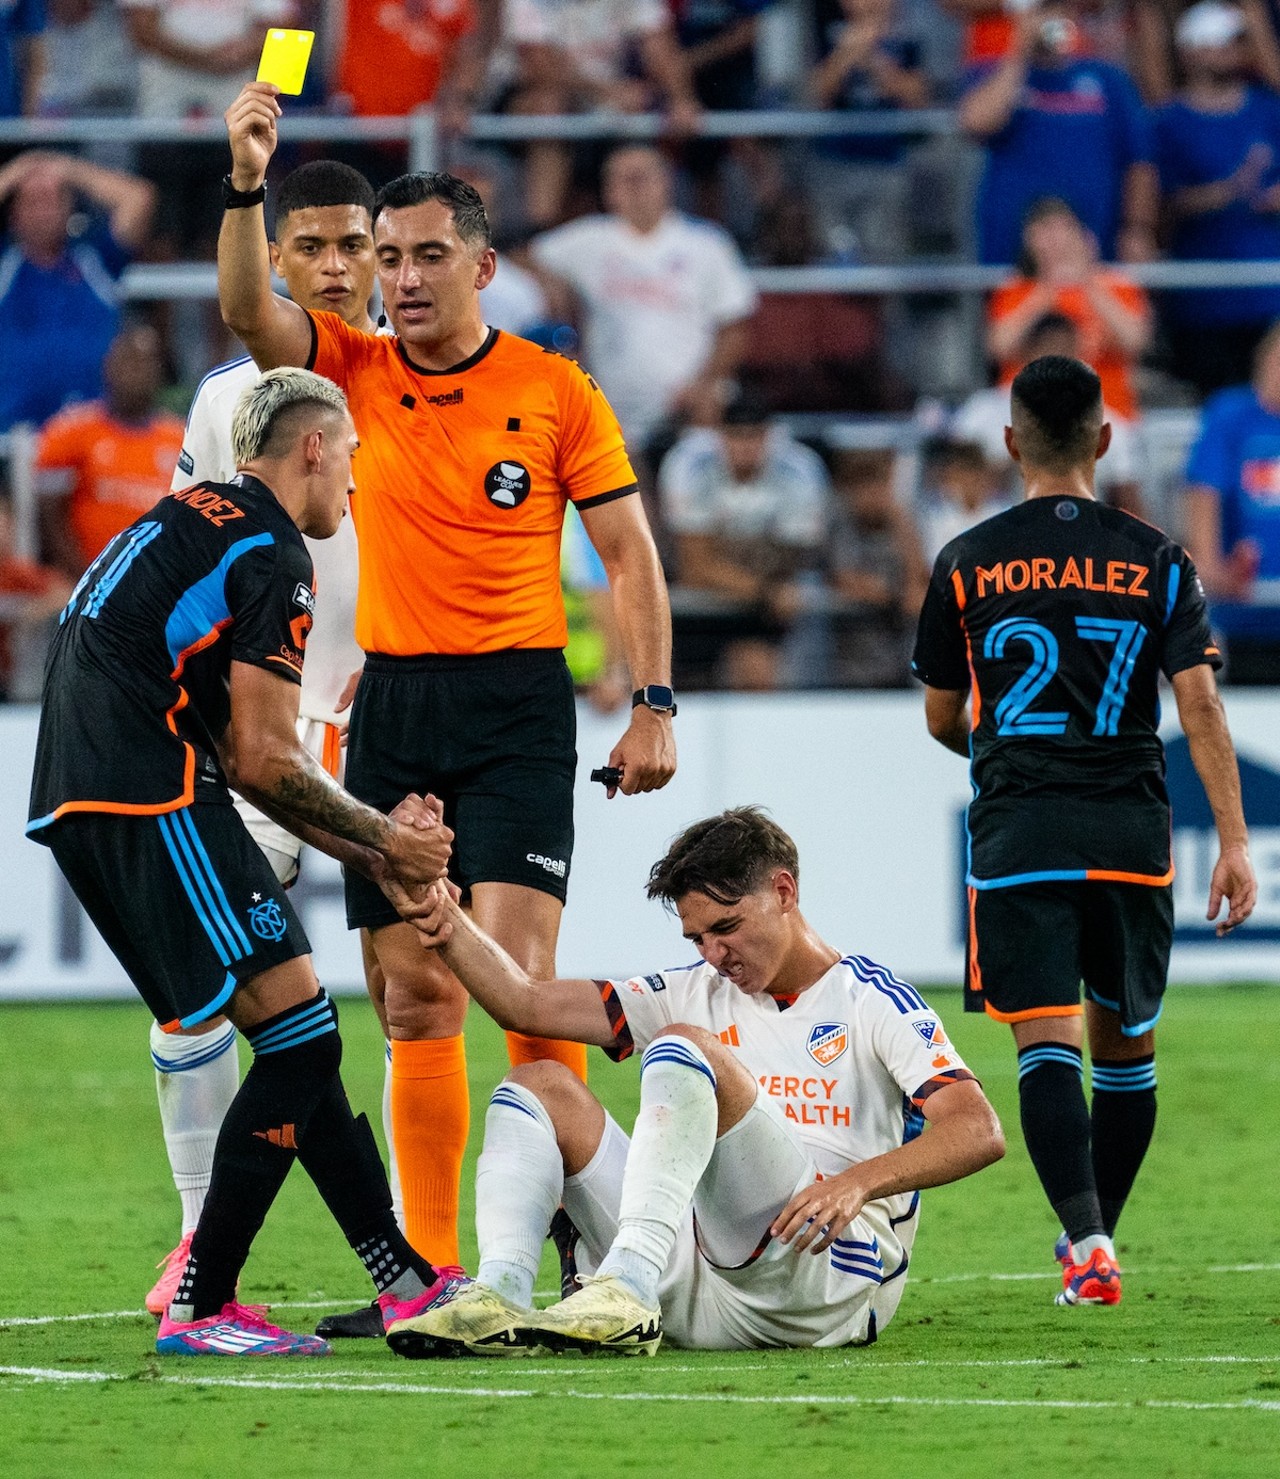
x: 213, y: 506
x: 1112, y: 578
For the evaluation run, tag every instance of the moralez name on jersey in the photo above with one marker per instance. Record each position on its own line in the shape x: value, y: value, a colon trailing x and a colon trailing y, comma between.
x: 1111, y: 577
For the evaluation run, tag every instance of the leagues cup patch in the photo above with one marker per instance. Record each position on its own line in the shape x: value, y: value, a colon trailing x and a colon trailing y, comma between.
x: 507, y: 484
x: 827, y: 1042
x: 931, y: 1031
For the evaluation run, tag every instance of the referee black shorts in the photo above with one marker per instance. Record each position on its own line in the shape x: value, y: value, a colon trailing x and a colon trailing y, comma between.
x: 493, y: 736
x: 1031, y: 946
x: 186, y: 901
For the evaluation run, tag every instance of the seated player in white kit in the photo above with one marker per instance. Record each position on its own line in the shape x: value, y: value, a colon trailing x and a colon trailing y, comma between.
x: 769, y: 1193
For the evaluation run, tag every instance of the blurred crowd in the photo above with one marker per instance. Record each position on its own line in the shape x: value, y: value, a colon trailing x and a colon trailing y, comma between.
x: 1092, y: 134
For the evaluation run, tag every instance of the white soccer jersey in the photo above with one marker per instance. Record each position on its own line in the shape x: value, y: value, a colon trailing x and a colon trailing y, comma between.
x: 594, y: 32
x: 849, y: 1062
x: 653, y: 302
x: 332, y: 652
x: 788, y: 501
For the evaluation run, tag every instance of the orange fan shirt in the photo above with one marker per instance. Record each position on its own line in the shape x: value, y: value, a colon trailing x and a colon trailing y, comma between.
x: 20, y: 577
x: 394, y: 52
x: 1113, y: 368
x: 462, y: 479
x: 112, y: 470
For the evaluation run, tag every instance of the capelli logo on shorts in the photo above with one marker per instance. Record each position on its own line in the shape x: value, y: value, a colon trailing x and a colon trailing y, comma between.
x: 556, y: 866
x: 507, y: 484
x: 305, y: 597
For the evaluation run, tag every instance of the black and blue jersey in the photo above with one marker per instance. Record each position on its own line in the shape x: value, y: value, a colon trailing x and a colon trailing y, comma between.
x: 1059, y: 616
x: 137, y: 687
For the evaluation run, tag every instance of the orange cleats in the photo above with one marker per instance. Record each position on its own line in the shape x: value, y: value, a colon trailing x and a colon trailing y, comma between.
x: 1096, y: 1281
x: 166, y: 1286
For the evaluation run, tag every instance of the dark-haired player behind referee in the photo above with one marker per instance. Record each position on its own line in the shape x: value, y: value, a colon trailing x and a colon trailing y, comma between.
x: 1055, y: 621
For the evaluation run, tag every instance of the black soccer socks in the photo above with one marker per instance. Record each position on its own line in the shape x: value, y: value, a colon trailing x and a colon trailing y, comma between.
x: 1124, y: 1119
x: 296, y: 1056
x: 341, y: 1156
x: 1055, y: 1125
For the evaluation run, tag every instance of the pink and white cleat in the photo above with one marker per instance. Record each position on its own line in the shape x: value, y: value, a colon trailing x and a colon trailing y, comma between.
x: 166, y: 1286
x: 239, y: 1330
x: 450, y: 1280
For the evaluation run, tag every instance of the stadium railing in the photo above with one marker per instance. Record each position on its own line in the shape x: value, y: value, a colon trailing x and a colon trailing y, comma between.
x: 420, y: 132
x: 1166, y: 433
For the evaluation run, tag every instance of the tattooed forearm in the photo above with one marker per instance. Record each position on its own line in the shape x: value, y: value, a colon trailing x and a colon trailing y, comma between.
x: 303, y: 790
x: 350, y: 854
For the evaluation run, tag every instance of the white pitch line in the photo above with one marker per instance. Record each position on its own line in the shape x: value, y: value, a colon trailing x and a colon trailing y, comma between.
x: 921, y: 1281
x: 36, y: 1375
x: 67, y: 1319
x: 1148, y: 1270
x: 868, y: 1364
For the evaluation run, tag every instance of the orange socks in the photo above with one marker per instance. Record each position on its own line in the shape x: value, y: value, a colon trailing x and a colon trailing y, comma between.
x: 430, y: 1116
x: 522, y: 1049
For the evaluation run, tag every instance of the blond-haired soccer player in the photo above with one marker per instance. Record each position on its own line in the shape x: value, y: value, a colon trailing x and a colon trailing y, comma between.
x: 769, y: 1192
x: 474, y: 442
x: 175, y: 672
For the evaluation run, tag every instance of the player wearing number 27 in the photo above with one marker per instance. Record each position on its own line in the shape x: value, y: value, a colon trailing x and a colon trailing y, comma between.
x: 1052, y: 624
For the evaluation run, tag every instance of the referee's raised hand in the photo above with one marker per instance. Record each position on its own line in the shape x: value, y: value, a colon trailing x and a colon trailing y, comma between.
x: 251, y: 132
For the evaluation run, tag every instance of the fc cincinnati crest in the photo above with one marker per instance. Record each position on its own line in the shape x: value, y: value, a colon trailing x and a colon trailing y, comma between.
x: 267, y: 921
x: 827, y: 1042
x: 507, y: 484
x: 931, y: 1030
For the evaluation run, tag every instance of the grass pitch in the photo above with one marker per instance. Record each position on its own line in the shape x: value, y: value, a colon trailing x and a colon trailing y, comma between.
x: 978, y: 1374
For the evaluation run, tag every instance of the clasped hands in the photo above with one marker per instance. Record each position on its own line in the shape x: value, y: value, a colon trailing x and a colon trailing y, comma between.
x: 411, y: 865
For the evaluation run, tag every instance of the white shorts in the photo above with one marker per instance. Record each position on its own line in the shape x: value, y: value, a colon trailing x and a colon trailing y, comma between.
x: 281, y: 847
x: 729, y: 1285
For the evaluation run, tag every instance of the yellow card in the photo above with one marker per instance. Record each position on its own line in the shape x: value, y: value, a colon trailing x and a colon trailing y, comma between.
x: 285, y: 55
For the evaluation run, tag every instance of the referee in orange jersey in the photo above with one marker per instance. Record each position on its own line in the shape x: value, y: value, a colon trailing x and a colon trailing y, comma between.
x: 473, y: 442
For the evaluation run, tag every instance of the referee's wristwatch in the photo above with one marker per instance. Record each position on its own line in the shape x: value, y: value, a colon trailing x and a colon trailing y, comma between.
x: 655, y: 696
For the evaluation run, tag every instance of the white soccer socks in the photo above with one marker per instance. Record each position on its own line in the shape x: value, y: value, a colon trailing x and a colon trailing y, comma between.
x: 393, y: 1166
x: 519, y: 1183
x: 197, y: 1077
x: 674, y: 1137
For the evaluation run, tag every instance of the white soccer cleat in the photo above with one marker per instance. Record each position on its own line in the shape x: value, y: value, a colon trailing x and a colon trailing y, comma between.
x: 476, y: 1322
x: 604, y: 1315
